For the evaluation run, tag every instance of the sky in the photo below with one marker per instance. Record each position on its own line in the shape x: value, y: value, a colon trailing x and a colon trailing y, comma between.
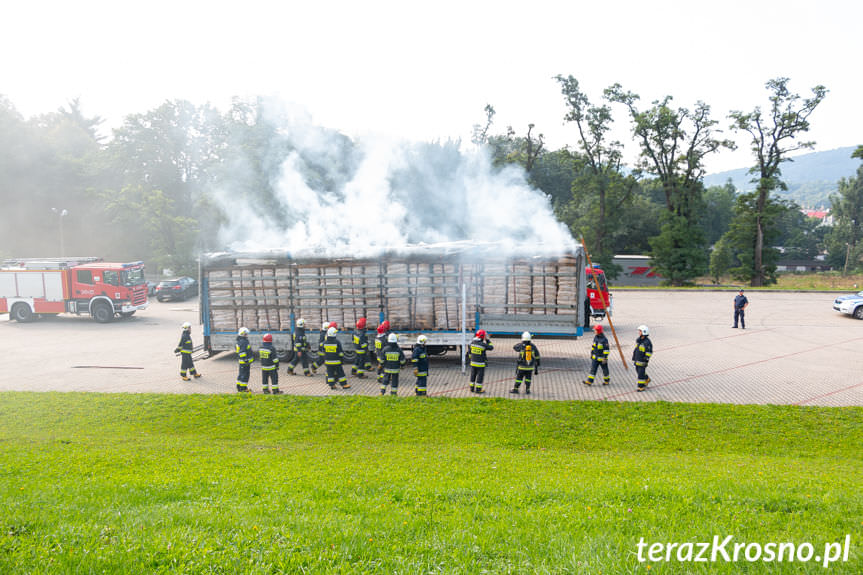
x: 426, y: 71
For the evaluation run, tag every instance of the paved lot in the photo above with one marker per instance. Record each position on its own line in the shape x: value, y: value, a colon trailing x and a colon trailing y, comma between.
x: 795, y: 350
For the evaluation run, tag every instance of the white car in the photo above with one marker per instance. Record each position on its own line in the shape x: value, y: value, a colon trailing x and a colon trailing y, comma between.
x: 850, y: 304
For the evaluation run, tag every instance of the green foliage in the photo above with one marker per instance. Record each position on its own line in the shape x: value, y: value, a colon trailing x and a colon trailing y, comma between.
x: 845, y: 239
x: 721, y: 260
x: 718, y: 211
x: 742, y: 233
x: 678, y: 252
x: 136, y: 483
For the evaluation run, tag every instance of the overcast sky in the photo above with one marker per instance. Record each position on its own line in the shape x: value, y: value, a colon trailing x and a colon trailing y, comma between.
x: 426, y: 71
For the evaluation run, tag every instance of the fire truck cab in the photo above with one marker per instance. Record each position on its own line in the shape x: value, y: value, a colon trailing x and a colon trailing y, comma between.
x: 33, y: 287
x: 598, y: 307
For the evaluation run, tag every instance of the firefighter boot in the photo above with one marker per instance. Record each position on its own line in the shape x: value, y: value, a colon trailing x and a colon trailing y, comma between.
x: 196, y: 374
x: 185, y: 378
x: 267, y: 390
x: 291, y: 370
x: 527, y: 390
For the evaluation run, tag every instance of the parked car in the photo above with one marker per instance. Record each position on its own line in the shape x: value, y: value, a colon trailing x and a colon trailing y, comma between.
x: 176, y: 289
x: 850, y: 304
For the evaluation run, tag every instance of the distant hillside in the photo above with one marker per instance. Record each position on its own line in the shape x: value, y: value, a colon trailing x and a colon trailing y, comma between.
x: 811, y: 178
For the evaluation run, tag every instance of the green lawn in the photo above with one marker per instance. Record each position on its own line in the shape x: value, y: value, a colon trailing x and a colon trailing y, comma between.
x: 96, y: 483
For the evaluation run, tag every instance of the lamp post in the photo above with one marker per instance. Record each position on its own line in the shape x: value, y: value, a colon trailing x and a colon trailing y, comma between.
x: 61, y: 213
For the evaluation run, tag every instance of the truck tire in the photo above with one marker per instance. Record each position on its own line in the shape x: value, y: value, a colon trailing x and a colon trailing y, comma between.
x: 22, y: 313
x: 103, y: 313
x: 858, y: 312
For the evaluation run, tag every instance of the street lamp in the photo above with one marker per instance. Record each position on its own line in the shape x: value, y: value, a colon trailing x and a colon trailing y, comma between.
x: 61, y: 213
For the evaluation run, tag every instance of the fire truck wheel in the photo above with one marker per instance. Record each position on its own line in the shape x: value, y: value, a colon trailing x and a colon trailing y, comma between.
x: 103, y: 313
x: 21, y: 312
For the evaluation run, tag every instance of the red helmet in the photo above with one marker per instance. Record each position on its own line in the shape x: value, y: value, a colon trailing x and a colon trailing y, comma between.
x: 386, y: 325
x: 334, y: 324
x: 381, y: 329
x: 361, y: 323
x: 268, y: 337
x: 481, y: 334
x: 597, y: 329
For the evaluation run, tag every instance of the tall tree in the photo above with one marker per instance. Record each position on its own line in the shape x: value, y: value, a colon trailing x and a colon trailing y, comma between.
x: 774, y: 136
x: 845, y: 240
x: 674, y: 143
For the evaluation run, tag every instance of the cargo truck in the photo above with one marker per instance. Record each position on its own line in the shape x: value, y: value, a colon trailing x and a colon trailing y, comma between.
x: 33, y: 287
x: 446, y: 292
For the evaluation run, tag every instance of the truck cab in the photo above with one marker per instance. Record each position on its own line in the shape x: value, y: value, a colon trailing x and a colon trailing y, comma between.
x: 598, y: 307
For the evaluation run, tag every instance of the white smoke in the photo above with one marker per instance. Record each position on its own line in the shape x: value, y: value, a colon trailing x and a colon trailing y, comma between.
x: 360, y: 198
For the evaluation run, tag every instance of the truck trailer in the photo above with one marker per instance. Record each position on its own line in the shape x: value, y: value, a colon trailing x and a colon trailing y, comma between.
x: 33, y: 287
x: 446, y: 292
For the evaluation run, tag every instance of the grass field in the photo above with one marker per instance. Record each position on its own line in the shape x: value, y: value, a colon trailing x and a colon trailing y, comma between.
x: 95, y: 483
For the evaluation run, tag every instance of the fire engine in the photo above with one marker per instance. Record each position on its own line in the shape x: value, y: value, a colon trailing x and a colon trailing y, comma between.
x: 598, y: 308
x: 32, y: 287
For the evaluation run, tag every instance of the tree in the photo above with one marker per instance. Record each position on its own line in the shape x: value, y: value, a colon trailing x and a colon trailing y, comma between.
x: 774, y: 135
x: 599, y: 189
x: 721, y: 260
x: 674, y: 143
x: 845, y: 240
x: 718, y: 211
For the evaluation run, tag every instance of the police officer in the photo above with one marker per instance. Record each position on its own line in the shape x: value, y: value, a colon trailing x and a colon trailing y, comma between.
x: 333, y: 356
x: 599, y: 357
x: 246, y: 356
x: 393, y: 360
x: 740, y: 303
x: 184, y: 348
x: 301, y: 349
x: 641, y: 356
x: 381, y: 341
x: 269, y: 365
x: 527, y: 364
x: 362, y: 363
x: 420, y: 361
x: 478, y: 347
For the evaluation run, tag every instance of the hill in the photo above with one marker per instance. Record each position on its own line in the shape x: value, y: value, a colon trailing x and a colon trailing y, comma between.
x: 811, y: 178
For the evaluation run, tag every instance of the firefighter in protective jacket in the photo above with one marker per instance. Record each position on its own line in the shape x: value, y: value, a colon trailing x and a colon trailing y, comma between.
x: 420, y: 361
x: 362, y: 363
x: 393, y: 360
x: 184, y: 348
x: 319, y: 356
x: 478, y: 347
x: 599, y: 357
x: 301, y: 349
x: 269, y: 365
x: 245, y: 356
x: 333, y: 356
x: 380, y: 342
x: 528, y: 363
x: 641, y: 356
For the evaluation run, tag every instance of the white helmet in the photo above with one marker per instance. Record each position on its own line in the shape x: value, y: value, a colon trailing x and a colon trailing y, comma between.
x: 301, y: 322
x: 525, y: 336
x: 186, y: 325
x: 393, y: 338
x: 325, y: 325
x: 643, y: 329
x: 244, y: 331
x: 332, y: 332
x: 421, y: 340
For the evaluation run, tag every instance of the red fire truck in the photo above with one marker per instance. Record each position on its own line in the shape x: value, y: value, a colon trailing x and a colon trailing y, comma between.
x: 597, y: 309
x: 33, y: 287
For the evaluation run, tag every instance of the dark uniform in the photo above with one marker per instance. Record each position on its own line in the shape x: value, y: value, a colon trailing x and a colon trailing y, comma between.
x: 184, y: 348
x: 320, y: 360
x: 362, y: 363
x: 245, y: 356
x: 393, y: 360
x: 333, y: 356
x: 380, y: 343
x: 740, y: 303
x: 641, y: 356
x: 527, y: 365
x: 478, y: 348
x: 269, y: 367
x: 420, y: 361
x: 301, y: 352
x: 599, y: 358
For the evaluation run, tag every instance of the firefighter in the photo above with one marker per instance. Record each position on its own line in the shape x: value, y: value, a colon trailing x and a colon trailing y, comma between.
x: 301, y: 349
x: 599, y: 357
x: 380, y: 342
x: 478, y: 347
x: 184, y: 348
x: 393, y: 360
x: 641, y: 356
x: 269, y: 365
x: 333, y: 356
x: 362, y: 363
x: 246, y: 356
x: 319, y: 355
x: 420, y: 361
x: 527, y: 364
